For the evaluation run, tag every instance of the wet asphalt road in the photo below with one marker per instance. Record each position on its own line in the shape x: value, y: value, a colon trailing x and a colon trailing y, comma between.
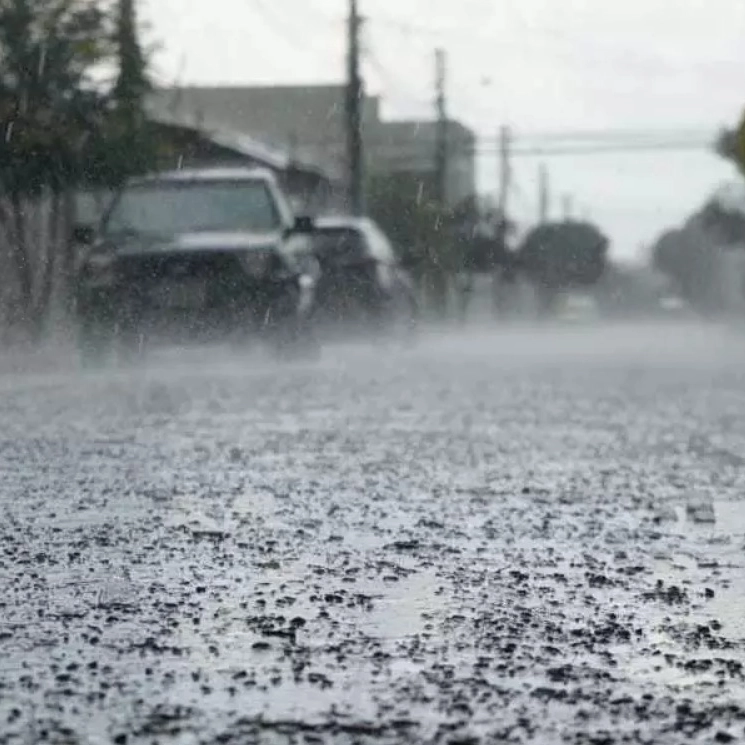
x: 533, y: 536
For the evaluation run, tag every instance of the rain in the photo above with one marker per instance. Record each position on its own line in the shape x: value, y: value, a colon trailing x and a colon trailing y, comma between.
x: 314, y: 433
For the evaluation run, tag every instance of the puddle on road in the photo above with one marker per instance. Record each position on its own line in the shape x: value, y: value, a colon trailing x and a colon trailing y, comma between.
x: 396, y: 614
x: 711, y: 556
x: 401, y: 610
x: 728, y: 607
x: 205, y: 515
x: 398, y: 610
x: 728, y: 520
x: 730, y: 517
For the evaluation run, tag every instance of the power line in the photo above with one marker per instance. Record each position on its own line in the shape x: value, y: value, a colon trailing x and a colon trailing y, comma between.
x: 603, y: 136
x: 295, y: 36
x: 544, y: 194
x: 390, y: 83
x: 650, y: 147
x: 505, y: 169
x: 599, y: 149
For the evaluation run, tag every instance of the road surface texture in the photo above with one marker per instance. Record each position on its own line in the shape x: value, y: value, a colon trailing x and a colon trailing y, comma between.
x: 525, y: 536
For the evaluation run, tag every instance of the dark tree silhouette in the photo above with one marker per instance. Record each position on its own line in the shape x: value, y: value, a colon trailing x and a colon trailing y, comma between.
x: 563, y: 255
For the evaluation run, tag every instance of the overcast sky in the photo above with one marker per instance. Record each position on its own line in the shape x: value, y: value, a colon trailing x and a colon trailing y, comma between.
x: 547, y: 66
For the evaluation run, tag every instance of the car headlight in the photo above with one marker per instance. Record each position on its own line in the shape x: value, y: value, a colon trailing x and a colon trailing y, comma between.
x: 306, y: 282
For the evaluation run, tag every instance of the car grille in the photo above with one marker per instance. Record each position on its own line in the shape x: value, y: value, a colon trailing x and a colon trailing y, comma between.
x: 212, y: 265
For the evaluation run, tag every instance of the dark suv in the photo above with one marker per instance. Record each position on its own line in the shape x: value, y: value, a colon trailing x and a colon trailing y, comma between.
x: 198, y: 254
x: 362, y: 284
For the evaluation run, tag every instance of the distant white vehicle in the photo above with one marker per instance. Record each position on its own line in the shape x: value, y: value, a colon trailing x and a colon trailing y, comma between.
x: 672, y: 304
x: 575, y: 306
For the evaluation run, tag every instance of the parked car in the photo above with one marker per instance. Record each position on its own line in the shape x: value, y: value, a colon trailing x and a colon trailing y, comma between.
x: 199, y: 254
x: 362, y: 284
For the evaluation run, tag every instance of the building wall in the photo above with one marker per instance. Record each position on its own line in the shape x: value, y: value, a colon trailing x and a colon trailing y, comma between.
x: 306, y: 121
x: 310, y: 122
x: 308, y: 191
x: 410, y: 147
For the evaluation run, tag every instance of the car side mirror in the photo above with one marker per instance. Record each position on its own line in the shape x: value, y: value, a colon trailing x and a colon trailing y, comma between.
x: 303, y: 224
x: 83, y: 235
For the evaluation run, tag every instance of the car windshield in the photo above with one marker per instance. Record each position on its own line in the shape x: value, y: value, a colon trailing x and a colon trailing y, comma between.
x: 163, y: 208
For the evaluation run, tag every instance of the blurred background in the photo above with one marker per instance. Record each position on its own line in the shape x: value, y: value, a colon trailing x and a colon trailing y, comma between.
x: 525, y: 159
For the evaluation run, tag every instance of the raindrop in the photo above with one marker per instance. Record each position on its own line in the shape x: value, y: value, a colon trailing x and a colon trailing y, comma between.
x: 42, y: 60
x: 9, y: 131
x: 180, y: 162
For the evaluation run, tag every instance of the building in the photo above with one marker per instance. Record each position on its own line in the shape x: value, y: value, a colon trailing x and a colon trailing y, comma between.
x: 187, y: 143
x: 308, y: 122
x: 309, y: 185
x: 305, y: 121
x: 406, y: 150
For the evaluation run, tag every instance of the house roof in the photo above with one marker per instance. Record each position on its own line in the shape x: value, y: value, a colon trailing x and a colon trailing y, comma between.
x: 307, y: 122
x: 240, y: 143
x: 280, y: 114
x: 218, y: 173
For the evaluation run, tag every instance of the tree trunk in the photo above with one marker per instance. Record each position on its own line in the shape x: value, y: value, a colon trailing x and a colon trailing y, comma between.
x: 48, y: 260
x: 68, y: 250
x: 19, y: 251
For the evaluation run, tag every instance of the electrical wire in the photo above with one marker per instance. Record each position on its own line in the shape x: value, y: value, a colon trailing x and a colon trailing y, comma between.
x: 296, y: 37
x: 389, y: 83
x: 607, y: 149
x: 543, y: 144
x: 609, y: 136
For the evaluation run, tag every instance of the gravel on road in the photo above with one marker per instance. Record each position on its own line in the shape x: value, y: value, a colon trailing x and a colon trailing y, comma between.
x: 529, y: 535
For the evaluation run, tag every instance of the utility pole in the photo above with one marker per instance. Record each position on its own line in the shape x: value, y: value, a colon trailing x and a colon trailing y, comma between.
x: 505, y: 170
x: 568, y: 204
x: 499, y: 298
x: 354, y: 98
x: 543, y: 195
x: 441, y: 146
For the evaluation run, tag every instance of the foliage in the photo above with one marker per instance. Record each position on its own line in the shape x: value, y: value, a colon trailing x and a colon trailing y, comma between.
x: 48, y: 107
x: 684, y: 256
x: 691, y: 255
x: 731, y: 145
x: 60, y: 130
x: 416, y: 224
x: 126, y: 145
x: 469, y: 237
x: 421, y: 231
x: 727, y: 225
x: 480, y: 236
x: 443, y: 248
x: 563, y: 255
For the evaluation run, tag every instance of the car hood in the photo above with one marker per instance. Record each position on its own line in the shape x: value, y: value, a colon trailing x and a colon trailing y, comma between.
x: 194, y: 242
